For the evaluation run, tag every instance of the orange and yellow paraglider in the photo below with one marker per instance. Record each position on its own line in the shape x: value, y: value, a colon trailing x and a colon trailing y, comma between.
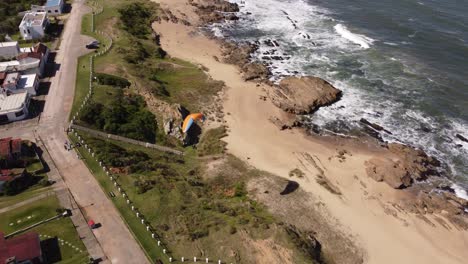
x: 188, y: 122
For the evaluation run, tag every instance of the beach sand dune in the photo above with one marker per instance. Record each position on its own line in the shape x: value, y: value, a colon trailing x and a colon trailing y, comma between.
x: 365, y: 209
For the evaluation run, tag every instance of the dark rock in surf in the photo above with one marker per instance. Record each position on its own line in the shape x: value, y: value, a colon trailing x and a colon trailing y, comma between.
x: 462, y: 138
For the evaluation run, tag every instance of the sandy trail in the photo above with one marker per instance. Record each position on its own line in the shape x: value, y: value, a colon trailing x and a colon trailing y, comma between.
x: 365, y: 213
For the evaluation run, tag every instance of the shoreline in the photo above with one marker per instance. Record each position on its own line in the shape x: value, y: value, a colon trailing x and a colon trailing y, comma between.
x: 386, y: 234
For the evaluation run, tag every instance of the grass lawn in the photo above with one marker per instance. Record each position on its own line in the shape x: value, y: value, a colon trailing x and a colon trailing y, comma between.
x: 62, y: 228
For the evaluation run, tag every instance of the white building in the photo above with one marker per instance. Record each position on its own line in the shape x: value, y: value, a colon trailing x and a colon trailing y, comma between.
x: 15, y: 83
x: 33, y: 25
x: 30, y: 60
x: 52, y: 7
x: 14, y: 107
x: 9, y: 50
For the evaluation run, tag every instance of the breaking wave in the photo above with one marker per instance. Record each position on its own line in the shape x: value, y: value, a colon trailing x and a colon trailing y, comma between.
x: 361, y: 40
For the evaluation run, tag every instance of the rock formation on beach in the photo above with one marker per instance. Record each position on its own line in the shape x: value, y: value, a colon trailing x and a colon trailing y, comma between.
x: 406, y: 166
x: 211, y: 11
x: 240, y: 55
x: 303, y: 95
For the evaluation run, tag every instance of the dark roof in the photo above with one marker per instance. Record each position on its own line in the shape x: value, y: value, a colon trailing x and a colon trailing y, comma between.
x: 23, y: 247
x: 40, y: 48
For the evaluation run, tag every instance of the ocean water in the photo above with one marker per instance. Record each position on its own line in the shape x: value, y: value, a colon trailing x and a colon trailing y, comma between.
x: 402, y: 64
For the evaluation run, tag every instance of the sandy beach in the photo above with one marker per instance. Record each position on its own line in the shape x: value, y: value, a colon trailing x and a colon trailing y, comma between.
x: 365, y: 210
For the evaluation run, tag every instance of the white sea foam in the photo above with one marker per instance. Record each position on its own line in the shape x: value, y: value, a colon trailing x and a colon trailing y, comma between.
x: 338, y: 59
x: 361, y: 40
x: 460, y: 192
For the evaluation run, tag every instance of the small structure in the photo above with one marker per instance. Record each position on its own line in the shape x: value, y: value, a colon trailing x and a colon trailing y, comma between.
x: 33, y: 25
x: 14, y: 107
x: 51, y: 7
x: 15, y: 177
x: 24, y: 248
x: 34, y: 59
x: 9, y: 50
x: 15, y: 83
x: 10, y: 149
x: 30, y: 60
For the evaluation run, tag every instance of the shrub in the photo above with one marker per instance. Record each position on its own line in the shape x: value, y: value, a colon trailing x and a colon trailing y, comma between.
x: 136, y: 19
x: 112, y: 80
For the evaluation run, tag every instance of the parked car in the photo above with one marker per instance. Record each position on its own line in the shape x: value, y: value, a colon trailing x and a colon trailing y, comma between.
x: 93, y: 45
x: 93, y: 225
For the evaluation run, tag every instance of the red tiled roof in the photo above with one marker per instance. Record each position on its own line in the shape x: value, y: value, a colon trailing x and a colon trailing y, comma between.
x: 2, y: 75
x: 23, y: 247
x: 5, y: 147
x: 16, y: 145
x: 35, y: 55
x: 9, y: 145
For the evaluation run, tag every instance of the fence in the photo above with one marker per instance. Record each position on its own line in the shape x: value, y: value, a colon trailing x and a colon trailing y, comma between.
x: 124, y: 139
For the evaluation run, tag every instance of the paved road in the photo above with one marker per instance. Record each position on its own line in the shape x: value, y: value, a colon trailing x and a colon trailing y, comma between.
x: 113, y: 237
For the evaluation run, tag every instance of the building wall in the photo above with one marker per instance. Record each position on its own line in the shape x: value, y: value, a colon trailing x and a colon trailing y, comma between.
x: 51, y: 10
x: 34, y: 31
x: 9, y: 51
x: 18, y: 114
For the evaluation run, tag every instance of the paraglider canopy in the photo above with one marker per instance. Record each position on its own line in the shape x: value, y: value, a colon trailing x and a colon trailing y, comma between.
x: 188, y: 122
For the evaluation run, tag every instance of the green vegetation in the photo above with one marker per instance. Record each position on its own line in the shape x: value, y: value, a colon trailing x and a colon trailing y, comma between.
x: 136, y: 58
x: 28, y: 172
x: 124, y: 115
x: 62, y: 228
x: 136, y: 19
x: 9, y: 10
x: 210, y: 143
x: 193, y: 208
x: 194, y: 204
x: 112, y: 80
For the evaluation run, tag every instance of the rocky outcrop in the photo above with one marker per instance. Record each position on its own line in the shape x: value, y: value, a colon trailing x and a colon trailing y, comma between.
x: 404, y: 166
x: 254, y: 71
x: 172, y: 120
x: 211, y: 11
x: 442, y: 203
x: 239, y: 55
x: 303, y: 95
x: 306, y: 242
x: 462, y: 138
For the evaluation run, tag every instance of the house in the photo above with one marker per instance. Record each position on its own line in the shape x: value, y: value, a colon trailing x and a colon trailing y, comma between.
x: 14, y: 107
x: 33, y: 25
x: 51, y: 7
x: 18, y: 83
x: 25, y: 248
x: 30, y: 60
x: 9, y: 50
x: 37, y: 52
x: 10, y: 149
